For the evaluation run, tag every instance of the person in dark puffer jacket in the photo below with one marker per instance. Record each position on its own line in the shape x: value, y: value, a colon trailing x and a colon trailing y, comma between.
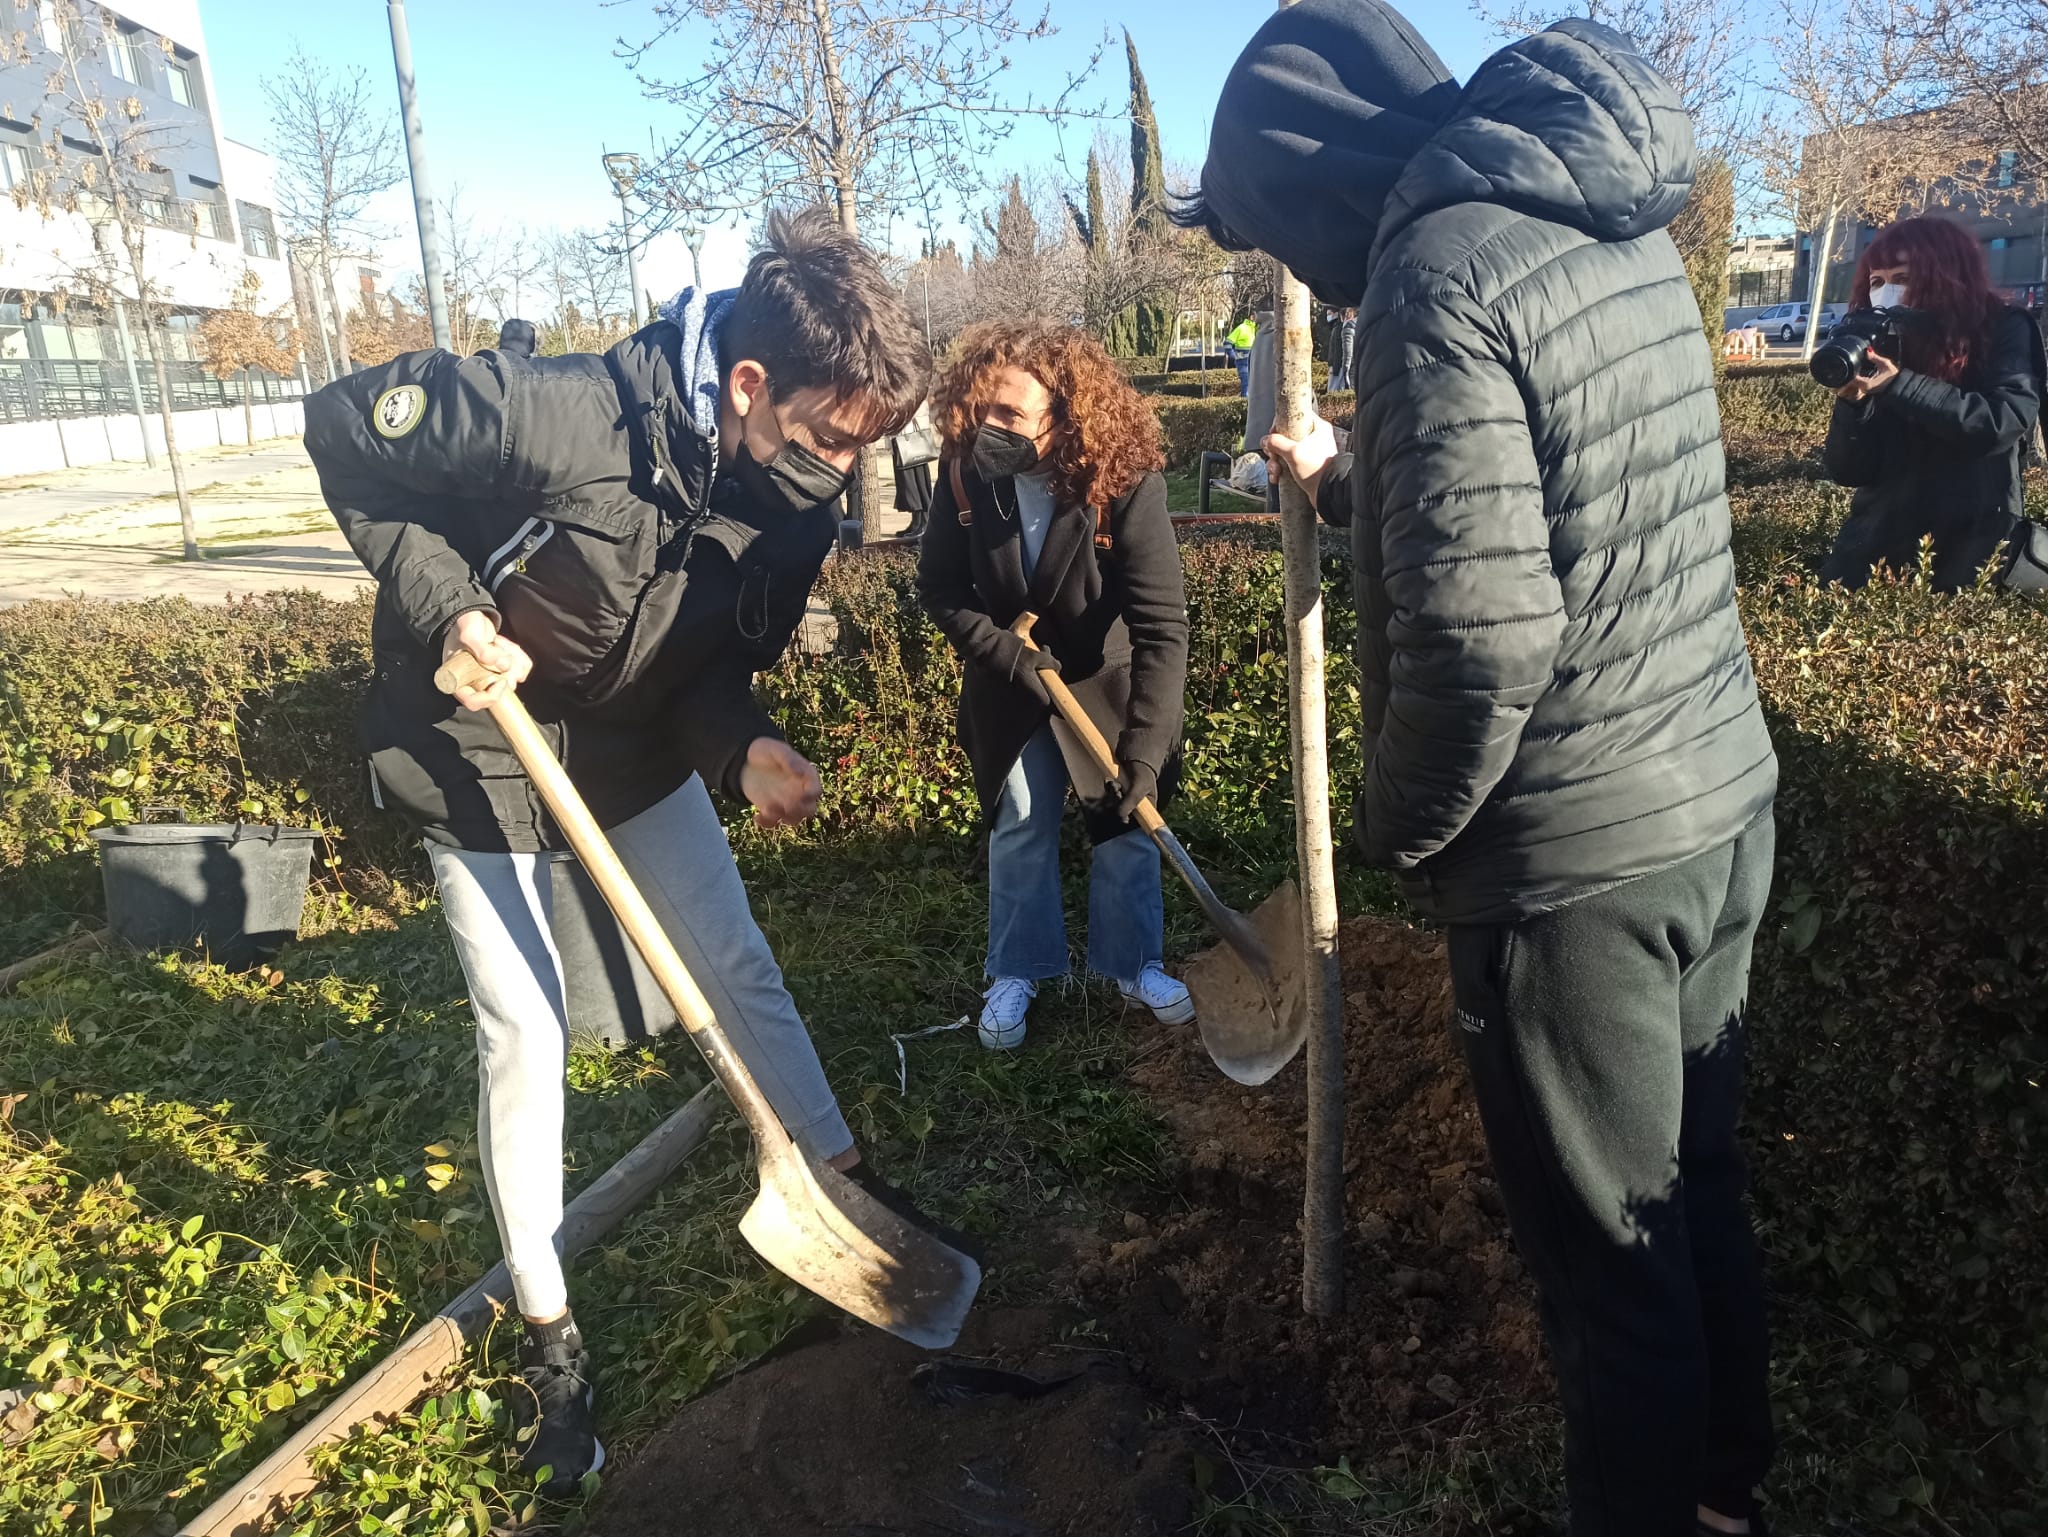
x: 1567, y: 762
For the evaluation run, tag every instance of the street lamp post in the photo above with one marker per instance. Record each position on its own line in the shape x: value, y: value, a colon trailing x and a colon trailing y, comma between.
x: 624, y: 170
x: 416, y: 160
x: 693, y: 237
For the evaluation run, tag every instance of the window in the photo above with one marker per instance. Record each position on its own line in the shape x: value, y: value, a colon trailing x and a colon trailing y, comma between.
x: 47, y: 24
x: 259, y: 231
x: 211, y: 220
x: 178, y: 75
x: 13, y: 166
x: 124, y: 53
x: 2000, y: 243
x: 2007, y: 160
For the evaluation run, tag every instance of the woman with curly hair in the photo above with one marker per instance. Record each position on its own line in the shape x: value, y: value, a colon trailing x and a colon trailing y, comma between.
x: 1052, y: 503
x: 1933, y: 440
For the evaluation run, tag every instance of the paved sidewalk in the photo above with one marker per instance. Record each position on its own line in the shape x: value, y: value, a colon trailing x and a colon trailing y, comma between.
x: 27, y: 501
x: 47, y: 569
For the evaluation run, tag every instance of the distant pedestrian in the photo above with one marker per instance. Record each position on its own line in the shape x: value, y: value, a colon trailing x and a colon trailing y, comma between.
x: 517, y: 337
x: 1343, y: 332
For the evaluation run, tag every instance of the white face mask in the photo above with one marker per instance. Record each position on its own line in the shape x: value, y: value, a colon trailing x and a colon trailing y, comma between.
x: 1885, y: 296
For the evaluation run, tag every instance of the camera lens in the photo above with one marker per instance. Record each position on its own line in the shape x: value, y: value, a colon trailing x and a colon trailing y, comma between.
x: 1837, y: 360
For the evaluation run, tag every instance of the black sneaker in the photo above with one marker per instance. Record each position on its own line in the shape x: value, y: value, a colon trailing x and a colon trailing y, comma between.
x: 554, y: 1408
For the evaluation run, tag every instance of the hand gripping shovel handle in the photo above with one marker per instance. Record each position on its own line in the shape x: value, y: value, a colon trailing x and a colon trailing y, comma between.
x: 1148, y: 816
x: 594, y: 850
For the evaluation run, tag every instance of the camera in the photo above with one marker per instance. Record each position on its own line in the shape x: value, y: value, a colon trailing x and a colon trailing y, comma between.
x: 1862, y: 333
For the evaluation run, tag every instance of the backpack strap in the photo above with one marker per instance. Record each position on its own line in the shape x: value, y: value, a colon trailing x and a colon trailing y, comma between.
x: 964, y: 508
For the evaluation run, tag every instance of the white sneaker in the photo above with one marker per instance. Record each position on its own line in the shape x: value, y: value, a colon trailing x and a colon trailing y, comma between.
x: 1002, y: 1016
x: 1167, y: 999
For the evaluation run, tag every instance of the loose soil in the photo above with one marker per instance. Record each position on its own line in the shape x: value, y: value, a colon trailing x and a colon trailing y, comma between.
x: 836, y: 1437
x: 1195, y: 1300
x: 1438, y: 1338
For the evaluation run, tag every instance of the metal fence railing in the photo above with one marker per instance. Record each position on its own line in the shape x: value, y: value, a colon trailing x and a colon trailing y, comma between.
x: 36, y: 389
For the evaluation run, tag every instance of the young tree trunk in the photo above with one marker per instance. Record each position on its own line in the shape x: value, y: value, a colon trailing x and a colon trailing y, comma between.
x: 340, y: 310
x: 1322, y: 1267
x: 1823, y: 257
x: 248, y: 412
x: 187, y: 525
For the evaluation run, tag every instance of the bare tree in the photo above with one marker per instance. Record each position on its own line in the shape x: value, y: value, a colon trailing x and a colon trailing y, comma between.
x: 1030, y: 265
x: 1990, y: 59
x: 940, y: 294
x: 804, y: 100
x: 469, y: 269
x: 871, y: 106
x: 98, y: 160
x: 1700, y: 46
x: 1866, y: 133
x: 336, y: 150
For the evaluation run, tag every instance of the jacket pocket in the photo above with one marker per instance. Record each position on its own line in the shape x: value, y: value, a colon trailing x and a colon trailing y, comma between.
x: 569, y: 581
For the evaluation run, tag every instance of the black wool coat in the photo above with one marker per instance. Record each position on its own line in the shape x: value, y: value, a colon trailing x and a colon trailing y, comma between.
x: 1112, y: 608
x: 1937, y: 460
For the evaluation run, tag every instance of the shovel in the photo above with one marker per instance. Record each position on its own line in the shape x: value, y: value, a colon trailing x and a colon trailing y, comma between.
x: 810, y: 1222
x: 1252, y: 1014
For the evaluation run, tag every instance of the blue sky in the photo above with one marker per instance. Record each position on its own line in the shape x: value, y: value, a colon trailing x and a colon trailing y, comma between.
x: 519, y: 97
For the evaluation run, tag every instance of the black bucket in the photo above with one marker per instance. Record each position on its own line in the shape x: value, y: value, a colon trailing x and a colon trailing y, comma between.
x: 235, y: 891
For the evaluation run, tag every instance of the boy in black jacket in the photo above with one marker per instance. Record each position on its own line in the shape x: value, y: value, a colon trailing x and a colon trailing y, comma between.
x: 630, y: 537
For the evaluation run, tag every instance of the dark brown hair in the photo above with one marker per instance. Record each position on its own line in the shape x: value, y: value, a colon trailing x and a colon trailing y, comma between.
x: 1105, y: 438
x: 815, y: 310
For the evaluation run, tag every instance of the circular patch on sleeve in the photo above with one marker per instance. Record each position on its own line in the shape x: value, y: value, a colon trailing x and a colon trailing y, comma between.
x: 398, y: 410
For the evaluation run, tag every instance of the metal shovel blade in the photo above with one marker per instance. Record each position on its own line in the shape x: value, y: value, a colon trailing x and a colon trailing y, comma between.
x: 831, y: 1237
x: 1249, y: 1001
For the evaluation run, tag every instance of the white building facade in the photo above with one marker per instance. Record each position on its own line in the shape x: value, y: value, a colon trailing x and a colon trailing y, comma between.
x: 63, y: 367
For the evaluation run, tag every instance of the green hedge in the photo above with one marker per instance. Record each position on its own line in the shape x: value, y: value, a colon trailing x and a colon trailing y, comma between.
x: 1195, y: 427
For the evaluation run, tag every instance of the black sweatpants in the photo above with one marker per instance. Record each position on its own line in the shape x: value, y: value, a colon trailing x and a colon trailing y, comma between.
x: 1606, y: 1042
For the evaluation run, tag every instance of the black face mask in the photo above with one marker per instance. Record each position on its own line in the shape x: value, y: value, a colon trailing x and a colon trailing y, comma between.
x: 1000, y: 453
x: 795, y: 480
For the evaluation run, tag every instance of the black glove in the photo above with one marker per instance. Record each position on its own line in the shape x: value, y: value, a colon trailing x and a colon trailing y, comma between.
x: 1022, y: 664
x: 1137, y: 782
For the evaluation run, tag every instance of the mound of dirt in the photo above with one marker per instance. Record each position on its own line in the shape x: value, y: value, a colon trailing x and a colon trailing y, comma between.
x: 1439, y: 1336
x: 838, y: 1438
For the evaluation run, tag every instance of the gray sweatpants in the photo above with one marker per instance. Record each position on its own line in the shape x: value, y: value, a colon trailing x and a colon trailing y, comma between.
x: 499, y: 909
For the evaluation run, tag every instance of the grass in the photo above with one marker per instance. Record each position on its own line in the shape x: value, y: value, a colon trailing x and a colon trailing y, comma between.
x: 221, y: 1195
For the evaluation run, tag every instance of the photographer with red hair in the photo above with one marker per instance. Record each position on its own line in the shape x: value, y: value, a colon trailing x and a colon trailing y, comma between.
x: 1052, y: 503
x: 1933, y: 437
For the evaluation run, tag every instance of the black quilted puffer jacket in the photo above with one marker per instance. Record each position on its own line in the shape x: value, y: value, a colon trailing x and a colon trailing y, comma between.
x: 1557, y: 692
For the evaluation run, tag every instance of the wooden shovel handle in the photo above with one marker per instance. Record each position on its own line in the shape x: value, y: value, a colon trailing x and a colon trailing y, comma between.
x: 1078, y: 722
x: 595, y: 852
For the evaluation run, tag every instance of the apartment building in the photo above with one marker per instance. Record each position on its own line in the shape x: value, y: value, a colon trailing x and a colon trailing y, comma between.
x: 211, y: 204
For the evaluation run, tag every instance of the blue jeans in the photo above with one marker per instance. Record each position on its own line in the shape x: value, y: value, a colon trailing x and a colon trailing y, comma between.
x: 1027, y: 928
x: 1242, y: 361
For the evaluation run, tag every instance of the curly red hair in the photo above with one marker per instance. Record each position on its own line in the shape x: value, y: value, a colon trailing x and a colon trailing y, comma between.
x: 1105, y: 438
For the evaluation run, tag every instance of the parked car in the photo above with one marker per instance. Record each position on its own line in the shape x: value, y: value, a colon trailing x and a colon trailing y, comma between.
x: 1786, y: 323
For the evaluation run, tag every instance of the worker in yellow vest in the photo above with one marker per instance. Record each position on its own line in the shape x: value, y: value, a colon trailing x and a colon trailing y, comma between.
x: 1239, y: 345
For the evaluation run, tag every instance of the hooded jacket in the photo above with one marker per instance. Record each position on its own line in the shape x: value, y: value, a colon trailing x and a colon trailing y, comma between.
x: 1557, y: 695
x: 577, y: 499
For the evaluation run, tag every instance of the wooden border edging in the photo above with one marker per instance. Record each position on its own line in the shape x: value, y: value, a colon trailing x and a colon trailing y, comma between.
x: 425, y: 1357
x: 98, y: 939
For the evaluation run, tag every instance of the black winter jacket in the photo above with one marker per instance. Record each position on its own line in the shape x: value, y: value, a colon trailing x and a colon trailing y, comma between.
x: 577, y: 499
x: 1557, y: 695
x: 1936, y: 460
x: 1115, y: 617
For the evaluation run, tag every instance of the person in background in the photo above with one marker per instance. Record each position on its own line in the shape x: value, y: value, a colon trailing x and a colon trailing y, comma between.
x: 1239, y: 345
x: 1052, y: 503
x: 913, y: 452
x: 1343, y: 333
x: 517, y: 337
x: 1933, y: 441
x: 631, y: 537
x: 1566, y: 760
